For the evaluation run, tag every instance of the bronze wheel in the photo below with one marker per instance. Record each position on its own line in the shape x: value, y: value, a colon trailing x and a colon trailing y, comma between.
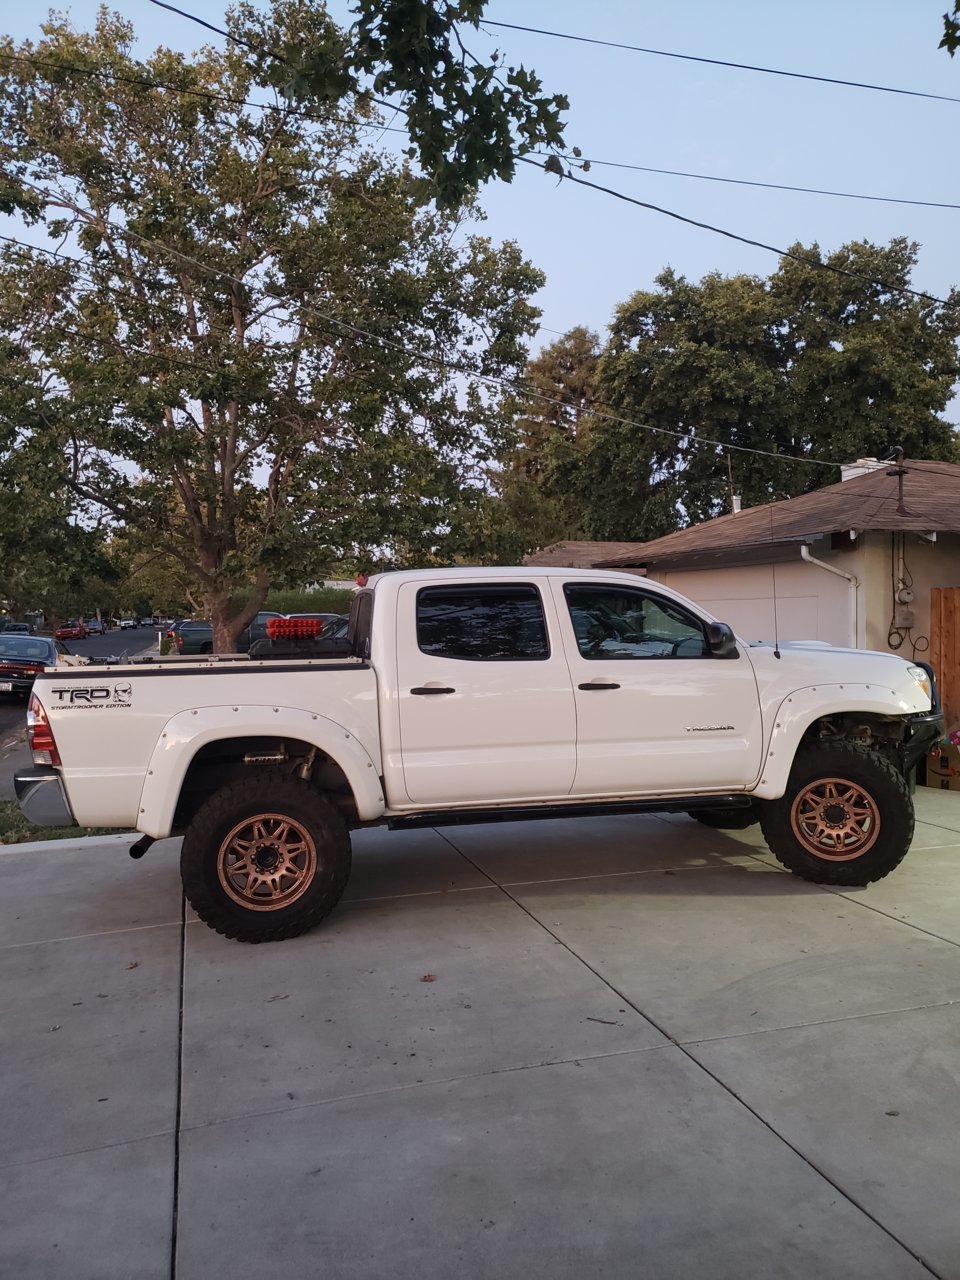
x: 846, y: 817
x: 266, y: 863
x: 836, y: 819
x: 266, y: 857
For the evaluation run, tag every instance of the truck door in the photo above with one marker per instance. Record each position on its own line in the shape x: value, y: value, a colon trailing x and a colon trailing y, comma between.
x: 656, y: 711
x: 486, y: 702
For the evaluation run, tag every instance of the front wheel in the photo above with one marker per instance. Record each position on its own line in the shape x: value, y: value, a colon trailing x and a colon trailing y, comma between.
x: 846, y: 817
x: 265, y: 858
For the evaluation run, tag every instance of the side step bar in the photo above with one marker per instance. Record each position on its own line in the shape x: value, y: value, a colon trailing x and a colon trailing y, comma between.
x: 504, y: 813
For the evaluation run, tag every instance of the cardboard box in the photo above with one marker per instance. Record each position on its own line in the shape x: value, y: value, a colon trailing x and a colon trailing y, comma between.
x: 943, y: 768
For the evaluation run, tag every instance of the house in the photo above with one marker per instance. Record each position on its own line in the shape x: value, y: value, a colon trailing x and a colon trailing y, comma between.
x: 583, y: 555
x: 857, y: 563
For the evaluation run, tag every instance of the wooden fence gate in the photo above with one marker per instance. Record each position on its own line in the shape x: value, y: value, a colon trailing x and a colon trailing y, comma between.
x: 945, y: 649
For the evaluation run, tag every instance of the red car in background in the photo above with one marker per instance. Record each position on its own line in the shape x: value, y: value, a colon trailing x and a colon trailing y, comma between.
x: 71, y: 630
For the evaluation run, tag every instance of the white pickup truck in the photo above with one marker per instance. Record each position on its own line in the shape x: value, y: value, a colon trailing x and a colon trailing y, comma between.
x: 476, y: 695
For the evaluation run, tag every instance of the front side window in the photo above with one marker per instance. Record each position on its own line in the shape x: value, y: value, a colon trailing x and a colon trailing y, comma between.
x: 482, y: 624
x: 618, y: 622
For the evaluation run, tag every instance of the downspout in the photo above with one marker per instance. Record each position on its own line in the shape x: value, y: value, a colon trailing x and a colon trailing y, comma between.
x: 853, y: 627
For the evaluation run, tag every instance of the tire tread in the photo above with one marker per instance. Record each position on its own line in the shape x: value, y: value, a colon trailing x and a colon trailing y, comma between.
x: 200, y: 842
x: 877, y: 862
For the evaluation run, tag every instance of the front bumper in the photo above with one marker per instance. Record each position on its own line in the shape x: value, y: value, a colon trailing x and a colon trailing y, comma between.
x: 41, y: 797
x: 920, y: 734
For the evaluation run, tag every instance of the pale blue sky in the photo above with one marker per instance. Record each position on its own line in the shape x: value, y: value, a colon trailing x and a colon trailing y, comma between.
x: 654, y: 111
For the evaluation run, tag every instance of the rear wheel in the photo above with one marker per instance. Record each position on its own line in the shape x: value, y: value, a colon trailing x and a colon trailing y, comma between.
x: 265, y: 858
x: 846, y: 817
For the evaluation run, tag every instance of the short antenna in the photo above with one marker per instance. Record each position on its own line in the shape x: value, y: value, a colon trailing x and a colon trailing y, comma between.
x: 773, y: 574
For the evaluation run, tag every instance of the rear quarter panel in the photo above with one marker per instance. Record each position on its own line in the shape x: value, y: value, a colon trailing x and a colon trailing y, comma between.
x: 109, y: 725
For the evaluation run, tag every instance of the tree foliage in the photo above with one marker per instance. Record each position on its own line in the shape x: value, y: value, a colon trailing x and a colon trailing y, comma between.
x: 241, y: 354
x: 805, y: 365
x: 951, y: 30
x: 469, y: 118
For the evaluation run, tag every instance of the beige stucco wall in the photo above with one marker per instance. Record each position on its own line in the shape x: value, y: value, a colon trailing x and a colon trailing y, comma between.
x: 930, y: 564
x: 813, y: 604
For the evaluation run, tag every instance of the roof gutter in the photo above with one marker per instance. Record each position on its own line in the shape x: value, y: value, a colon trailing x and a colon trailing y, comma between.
x: 853, y: 625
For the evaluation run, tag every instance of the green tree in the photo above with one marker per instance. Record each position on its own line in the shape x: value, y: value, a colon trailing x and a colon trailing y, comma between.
x: 469, y: 118
x: 241, y: 352
x: 951, y: 30
x: 50, y: 551
x: 537, y: 494
x: 808, y: 364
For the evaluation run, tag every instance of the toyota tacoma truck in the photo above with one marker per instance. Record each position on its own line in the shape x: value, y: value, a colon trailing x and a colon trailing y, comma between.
x: 478, y: 695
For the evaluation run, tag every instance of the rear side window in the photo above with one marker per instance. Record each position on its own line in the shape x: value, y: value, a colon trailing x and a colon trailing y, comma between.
x: 482, y: 623
x: 361, y: 624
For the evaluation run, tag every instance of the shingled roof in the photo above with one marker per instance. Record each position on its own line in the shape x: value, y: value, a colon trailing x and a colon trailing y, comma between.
x: 931, y: 503
x: 581, y: 555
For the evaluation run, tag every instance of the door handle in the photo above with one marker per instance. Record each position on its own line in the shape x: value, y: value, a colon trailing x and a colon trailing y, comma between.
x: 599, y: 684
x: 433, y: 688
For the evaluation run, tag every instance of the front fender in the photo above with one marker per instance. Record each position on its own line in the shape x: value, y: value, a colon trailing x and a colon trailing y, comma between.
x: 800, y: 709
x: 185, y: 734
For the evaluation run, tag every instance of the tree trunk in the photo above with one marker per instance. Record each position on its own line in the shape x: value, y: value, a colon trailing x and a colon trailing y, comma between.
x: 227, y: 627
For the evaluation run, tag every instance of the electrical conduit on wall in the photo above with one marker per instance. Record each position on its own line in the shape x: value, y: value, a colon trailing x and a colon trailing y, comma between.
x: 853, y: 623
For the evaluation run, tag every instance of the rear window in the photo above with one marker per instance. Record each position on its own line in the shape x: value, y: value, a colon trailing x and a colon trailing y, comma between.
x: 14, y: 646
x: 482, y: 623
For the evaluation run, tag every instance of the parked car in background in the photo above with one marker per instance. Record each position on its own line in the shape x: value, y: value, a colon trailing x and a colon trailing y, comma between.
x: 147, y: 622
x: 128, y: 624
x: 22, y: 658
x: 325, y: 618
x: 72, y: 629
x: 19, y: 629
x: 192, y: 637
x: 94, y: 627
x: 197, y: 637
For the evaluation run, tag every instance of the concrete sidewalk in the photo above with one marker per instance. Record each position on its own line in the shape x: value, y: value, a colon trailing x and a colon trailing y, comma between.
x: 628, y: 1047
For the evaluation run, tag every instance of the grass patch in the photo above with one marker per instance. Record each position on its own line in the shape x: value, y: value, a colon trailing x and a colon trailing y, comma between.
x: 15, y: 829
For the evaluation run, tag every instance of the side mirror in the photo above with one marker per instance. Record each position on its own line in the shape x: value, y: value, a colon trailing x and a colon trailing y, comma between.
x: 721, y: 641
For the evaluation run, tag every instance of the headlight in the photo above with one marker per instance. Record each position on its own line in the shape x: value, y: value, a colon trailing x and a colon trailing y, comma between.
x: 923, y: 680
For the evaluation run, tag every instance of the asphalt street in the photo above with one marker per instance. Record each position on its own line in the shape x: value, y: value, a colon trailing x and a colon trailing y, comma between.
x: 13, y: 752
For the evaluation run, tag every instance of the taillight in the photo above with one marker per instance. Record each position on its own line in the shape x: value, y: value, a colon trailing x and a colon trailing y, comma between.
x: 179, y: 639
x: 39, y: 734
x: 294, y: 628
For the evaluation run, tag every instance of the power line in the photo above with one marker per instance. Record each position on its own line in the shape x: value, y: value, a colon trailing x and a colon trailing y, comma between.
x: 501, y: 384
x: 96, y: 283
x: 756, y: 244
x: 772, y: 186
x: 679, y: 217
x: 253, y: 48
x: 930, y: 466
x: 715, y: 62
x: 110, y: 76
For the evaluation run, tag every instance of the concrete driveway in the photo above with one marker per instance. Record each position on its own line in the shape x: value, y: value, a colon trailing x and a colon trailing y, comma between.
x: 624, y: 1047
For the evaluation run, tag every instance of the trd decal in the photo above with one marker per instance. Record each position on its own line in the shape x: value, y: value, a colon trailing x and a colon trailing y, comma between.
x: 92, y: 697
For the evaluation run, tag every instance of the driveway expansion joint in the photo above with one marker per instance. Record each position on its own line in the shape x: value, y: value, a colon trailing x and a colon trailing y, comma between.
x: 810, y: 1163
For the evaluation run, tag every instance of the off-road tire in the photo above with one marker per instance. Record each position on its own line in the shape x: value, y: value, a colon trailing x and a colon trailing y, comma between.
x: 731, y: 819
x: 864, y: 783
x: 264, y: 802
